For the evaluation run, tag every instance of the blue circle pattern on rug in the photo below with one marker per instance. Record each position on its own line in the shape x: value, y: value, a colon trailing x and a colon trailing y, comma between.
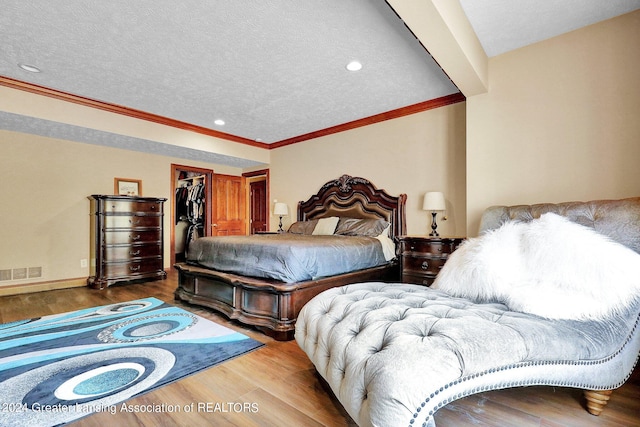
x: 102, y: 356
x: 96, y: 382
x: 147, y: 327
x: 48, y: 385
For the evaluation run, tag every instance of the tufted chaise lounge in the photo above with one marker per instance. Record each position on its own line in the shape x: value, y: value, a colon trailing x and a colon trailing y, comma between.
x: 393, y: 354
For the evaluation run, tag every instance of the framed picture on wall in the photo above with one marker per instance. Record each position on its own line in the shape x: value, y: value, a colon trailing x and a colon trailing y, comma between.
x: 127, y: 187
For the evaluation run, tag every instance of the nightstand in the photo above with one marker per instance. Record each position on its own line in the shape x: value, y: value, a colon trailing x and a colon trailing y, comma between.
x: 421, y: 258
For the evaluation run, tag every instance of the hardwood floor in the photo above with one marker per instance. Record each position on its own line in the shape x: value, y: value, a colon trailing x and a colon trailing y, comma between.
x: 279, y: 385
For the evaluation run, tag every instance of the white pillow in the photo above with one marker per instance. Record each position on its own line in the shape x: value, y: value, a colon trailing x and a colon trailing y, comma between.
x: 388, y: 245
x: 550, y: 267
x: 326, y: 226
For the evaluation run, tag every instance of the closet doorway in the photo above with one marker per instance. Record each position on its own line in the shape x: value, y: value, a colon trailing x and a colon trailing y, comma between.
x: 190, y: 207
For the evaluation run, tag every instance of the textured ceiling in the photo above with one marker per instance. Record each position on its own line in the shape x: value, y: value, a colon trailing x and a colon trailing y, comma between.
x: 504, y: 25
x: 271, y: 69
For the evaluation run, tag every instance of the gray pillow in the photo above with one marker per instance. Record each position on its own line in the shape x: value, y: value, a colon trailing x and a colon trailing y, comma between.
x: 303, y: 227
x: 361, y: 227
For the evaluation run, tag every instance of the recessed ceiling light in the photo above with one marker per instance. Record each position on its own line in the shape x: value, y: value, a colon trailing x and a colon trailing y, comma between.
x: 354, y: 66
x: 29, y: 68
x: 219, y: 122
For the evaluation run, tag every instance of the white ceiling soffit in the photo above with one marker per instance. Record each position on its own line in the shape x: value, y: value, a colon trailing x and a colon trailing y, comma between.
x: 51, y: 129
x: 505, y: 25
x: 271, y: 69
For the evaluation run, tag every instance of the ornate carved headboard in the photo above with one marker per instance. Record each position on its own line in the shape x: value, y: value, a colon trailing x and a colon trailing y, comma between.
x: 355, y: 197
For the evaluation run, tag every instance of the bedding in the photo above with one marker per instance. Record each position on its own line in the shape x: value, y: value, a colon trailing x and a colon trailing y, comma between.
x: 287, y: 257
x: 272, y: 305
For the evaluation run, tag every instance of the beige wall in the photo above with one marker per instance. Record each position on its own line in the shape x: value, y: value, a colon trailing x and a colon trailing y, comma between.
x: 45, y: 211
x: 45, y: 182
x: 560, y: 121
x: 412, y: 155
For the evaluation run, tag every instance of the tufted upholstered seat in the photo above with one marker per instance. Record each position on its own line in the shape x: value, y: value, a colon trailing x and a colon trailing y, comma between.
x: 393, y: 354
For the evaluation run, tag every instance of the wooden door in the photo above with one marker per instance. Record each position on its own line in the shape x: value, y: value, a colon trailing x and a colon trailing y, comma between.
x: 258, y: 206
x: 229, y: 216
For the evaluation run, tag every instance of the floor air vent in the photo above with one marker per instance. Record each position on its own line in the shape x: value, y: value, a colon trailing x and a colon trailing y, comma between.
x: 35, y: 272
x: 20, y: 273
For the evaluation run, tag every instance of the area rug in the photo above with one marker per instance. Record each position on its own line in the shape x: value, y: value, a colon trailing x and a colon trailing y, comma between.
x: 56, y: 369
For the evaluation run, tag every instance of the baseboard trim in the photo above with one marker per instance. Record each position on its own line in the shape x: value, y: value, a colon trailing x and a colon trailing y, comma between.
x: 27, y: 288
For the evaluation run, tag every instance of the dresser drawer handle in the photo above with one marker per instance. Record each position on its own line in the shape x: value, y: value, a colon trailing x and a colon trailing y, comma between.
x: 134, y: 252
x: 136, y: 237
x: 134, y: 222
x: 135, y: 268
x: 425, y: 265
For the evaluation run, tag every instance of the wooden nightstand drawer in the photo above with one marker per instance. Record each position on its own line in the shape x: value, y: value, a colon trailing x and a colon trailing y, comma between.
x: 418, y: 279
x: 435, y: 246
x: 422, y: 265
x: 422, y: 258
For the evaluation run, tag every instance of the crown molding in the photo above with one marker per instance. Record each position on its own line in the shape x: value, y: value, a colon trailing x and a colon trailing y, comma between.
x: 142, y: 115
x: 393, y: 114
x: 125, y: 111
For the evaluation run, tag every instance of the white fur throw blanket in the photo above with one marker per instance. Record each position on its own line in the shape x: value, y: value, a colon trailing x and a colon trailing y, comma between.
x: 549, y: 267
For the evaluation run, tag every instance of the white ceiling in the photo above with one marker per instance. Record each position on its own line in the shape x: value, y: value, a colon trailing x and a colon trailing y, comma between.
x: 271, y: 69
x: 505, y: 25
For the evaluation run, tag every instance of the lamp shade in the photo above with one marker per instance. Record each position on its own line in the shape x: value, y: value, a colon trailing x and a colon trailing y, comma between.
x: 280, y: 209
x: 434, y: 201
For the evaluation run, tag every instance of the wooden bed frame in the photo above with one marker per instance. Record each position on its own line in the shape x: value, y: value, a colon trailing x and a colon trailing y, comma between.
x: 272, y: 306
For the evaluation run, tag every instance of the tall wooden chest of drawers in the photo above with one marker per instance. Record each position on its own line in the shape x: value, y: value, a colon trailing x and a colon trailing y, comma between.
x: 127, y: 240
x: 421, y: 258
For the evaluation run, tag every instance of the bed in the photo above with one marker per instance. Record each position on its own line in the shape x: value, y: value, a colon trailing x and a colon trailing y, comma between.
x: 268, y: 286
x: 547, y: 294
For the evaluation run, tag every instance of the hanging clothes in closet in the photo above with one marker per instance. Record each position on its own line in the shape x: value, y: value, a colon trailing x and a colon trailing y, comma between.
x: 190, y: 211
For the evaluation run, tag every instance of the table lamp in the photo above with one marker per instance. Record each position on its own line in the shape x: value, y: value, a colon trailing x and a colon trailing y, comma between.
x: 434, y: 202
x: 281, y: 210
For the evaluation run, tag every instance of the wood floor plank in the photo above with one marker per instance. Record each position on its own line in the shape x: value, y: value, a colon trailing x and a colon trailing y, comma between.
x: 275, y: 412
x: 478, y: 410
x: 280, y: 381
